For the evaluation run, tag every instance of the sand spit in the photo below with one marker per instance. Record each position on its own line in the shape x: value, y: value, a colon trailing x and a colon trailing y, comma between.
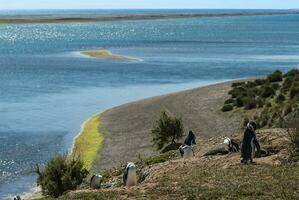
x: 105, y: 54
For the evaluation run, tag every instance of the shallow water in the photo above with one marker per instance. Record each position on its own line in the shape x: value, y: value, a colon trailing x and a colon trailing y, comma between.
x: 47, y: 89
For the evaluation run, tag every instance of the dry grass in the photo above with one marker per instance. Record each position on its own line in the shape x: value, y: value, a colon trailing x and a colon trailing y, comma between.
x: 213, y: 177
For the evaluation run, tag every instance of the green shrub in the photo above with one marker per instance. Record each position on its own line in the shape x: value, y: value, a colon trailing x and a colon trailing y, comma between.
x: 280, y: 98
x: 229, y: 101
x: 287, y: 84
x: 275, y: 76
x: 60, y: 175
x: 267, y: 91
x: 238, y: 91
x: 287, y: 109
x: 227, y: 107
x: 167, y: 129
x: 260, y: 81
x: 294, y: 91
x: 251, y: 92
x: 236, y: 84
x: 260, y: 102
x: 264, y: 118
x: 268, y: 105
x: 239, y: 102
x: 250, y: 103
x: 251, y: 84
x: 275, y: 86
x: 292, y: 73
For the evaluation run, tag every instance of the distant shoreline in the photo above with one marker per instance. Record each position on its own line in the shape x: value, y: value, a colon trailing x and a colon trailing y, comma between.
x: 102, y: 18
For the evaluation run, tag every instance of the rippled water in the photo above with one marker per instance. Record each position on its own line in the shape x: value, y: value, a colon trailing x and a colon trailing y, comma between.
x: 47, y: 89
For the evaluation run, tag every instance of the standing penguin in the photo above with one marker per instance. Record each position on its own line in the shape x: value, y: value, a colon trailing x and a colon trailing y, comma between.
x: 190, y: 139
x: 249, y: 143
x: 186, y: 151
x: 130, y: 176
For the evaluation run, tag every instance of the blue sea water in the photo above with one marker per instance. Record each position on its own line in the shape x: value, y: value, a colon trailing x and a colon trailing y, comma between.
x: 47, y: 89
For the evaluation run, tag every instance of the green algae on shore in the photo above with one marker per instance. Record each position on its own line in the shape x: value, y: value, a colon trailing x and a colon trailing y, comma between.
x: 89, y: 141
x: 105, y: 54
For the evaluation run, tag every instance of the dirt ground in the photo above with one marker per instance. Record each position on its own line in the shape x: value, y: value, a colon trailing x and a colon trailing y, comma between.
x: 127, y: 128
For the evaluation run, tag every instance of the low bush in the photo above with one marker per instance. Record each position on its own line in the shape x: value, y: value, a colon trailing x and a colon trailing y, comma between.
x: 267, y: 91
x: 251, y: 84
x: 294, y: 91
x: 275, y: 76
x: 292, y: 73
x: 238, y: 91
x: 60, y: 175
x: 268, y: 105
x: 167, y: 129
x: 260, y: 102
x: 239, y: 102
x: 260, y: 81
x: 236, y: 84
x: 287, y: 84
x: 287, y: 109
x: 280, y: 98
x: 263, y: 118
x: 227, y: 107
x: 229, y: 101
x: 275, y: 86
x: 250, y: 103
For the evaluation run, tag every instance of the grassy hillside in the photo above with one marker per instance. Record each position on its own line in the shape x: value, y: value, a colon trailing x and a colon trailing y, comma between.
x: 210, y: 177
x: 270, y: 101
x: 238, y: 182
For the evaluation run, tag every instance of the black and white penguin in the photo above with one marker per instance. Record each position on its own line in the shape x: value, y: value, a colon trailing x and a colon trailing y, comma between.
x: 130, y: 176
x: 96, y: 181
x: 186, y: 151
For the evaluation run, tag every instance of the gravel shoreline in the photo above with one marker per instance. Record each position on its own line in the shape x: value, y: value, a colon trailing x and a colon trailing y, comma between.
x: 127, y: 128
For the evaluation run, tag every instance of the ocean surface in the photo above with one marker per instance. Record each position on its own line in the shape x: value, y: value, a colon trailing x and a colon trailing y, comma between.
x: 47, y: 89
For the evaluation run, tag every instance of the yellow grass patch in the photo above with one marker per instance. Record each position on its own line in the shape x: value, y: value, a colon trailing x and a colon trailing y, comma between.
x: 88, y: 143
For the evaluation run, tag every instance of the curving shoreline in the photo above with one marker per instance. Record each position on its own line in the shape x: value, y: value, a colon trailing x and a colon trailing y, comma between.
x: 127, y: 128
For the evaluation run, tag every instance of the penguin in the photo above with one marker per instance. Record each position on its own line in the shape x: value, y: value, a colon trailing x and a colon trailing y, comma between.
x: 190, y: 139
x: 249, y: 143
x: 130, y: 176
x: 186, y: 151
x: 96, y: 181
